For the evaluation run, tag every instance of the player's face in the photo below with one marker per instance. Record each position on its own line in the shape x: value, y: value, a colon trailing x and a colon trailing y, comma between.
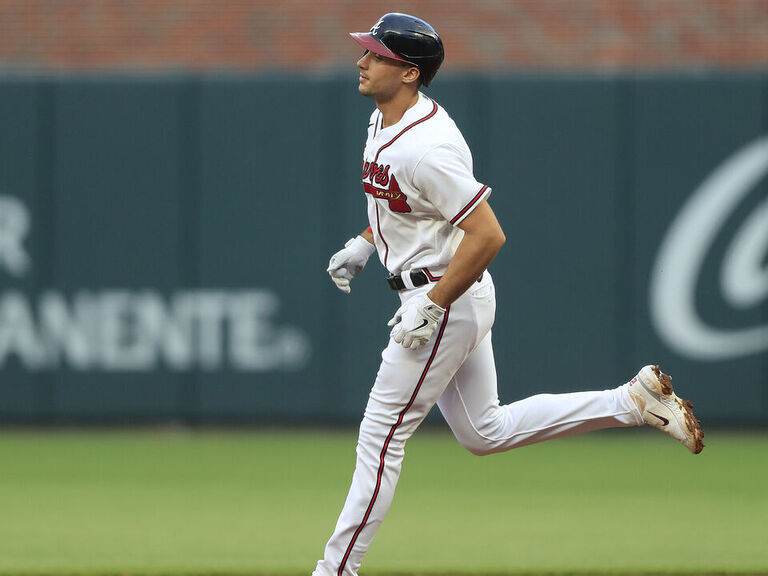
x: 380, y: 77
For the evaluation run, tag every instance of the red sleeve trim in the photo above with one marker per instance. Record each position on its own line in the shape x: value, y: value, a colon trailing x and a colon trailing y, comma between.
x: 469, y: 206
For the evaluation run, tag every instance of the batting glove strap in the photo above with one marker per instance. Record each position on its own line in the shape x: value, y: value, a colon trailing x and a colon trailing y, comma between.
x: 415, y: 322
x: 348, y: 262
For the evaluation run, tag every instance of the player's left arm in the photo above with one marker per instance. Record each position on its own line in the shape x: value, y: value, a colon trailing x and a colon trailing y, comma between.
x: 483, y: 237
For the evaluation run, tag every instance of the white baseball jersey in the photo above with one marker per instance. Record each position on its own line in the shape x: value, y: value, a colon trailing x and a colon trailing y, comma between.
x: 417, y: 176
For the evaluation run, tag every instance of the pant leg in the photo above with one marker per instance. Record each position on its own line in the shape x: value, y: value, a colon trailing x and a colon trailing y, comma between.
x: 470, y: 405
x: 408, y: 384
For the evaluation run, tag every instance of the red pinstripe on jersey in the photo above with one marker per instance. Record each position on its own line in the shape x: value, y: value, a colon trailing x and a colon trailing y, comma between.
x: 383, y: 453
x: 404, y: 130
x: 381, y: 236
x: 430, y: 276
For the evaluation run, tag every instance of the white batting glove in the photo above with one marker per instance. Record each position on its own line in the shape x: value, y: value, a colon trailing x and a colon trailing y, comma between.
x: 415, y: 322
x: 347, y: 263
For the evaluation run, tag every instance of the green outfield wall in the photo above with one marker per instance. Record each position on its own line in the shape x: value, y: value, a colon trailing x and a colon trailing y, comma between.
x: 163, y: 242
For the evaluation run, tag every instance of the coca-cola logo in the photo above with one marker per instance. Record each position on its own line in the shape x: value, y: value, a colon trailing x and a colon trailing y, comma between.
x: 743, y: 273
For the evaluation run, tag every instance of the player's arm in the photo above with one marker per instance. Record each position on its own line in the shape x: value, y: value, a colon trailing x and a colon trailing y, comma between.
x: 416, y: 320
x: 483, y: 237
x: 367, y: 234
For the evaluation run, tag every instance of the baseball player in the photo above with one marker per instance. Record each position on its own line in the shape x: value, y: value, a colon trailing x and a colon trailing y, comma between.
x: 436, y: 234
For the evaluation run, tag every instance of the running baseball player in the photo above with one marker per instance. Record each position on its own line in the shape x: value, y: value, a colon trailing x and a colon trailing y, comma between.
x: 435, y: 232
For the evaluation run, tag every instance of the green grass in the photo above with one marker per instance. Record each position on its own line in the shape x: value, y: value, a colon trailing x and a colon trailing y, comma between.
x: 265, y: 503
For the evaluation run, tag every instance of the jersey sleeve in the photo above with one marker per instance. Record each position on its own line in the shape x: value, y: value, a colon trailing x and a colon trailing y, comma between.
x: 444, y: 176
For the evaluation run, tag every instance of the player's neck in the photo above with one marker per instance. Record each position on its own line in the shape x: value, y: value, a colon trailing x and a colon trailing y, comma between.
x: 392, y: 110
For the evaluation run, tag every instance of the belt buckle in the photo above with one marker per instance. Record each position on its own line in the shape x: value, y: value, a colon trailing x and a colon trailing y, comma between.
x: 419, y: 278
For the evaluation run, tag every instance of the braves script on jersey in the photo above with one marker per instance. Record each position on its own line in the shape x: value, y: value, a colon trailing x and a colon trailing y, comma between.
x: 417, y: 176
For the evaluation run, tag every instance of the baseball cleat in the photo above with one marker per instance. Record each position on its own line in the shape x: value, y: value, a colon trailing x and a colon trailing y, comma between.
x: 652, y: 391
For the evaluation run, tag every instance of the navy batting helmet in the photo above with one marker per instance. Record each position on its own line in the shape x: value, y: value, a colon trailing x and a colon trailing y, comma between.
x: 407, y: 39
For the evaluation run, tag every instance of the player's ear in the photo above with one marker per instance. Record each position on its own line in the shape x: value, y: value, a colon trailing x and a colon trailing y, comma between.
x: 411, y: 74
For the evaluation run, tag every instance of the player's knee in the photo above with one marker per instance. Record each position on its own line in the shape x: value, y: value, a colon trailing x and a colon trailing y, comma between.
x: 476, y: 444
x: 483, y: 451
x: 483, y: 438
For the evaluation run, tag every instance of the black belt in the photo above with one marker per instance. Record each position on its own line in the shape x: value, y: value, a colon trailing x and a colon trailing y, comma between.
x: 418, y: 277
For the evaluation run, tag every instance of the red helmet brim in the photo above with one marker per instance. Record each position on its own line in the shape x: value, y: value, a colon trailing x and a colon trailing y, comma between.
x: 367, y: 41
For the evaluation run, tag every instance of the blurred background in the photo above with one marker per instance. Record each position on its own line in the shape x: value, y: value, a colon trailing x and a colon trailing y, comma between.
x: 174, y: 176
x: 180, y: 382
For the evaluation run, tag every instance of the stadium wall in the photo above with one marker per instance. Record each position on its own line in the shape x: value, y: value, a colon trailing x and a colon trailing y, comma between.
x: 163, y: 241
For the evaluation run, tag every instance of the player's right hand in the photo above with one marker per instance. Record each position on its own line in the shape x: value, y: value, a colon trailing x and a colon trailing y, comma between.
x: 347, y: 263
x: 415, y: 322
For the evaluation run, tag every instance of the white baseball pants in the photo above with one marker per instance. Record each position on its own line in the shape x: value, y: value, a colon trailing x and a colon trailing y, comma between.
x: 455, y: 369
